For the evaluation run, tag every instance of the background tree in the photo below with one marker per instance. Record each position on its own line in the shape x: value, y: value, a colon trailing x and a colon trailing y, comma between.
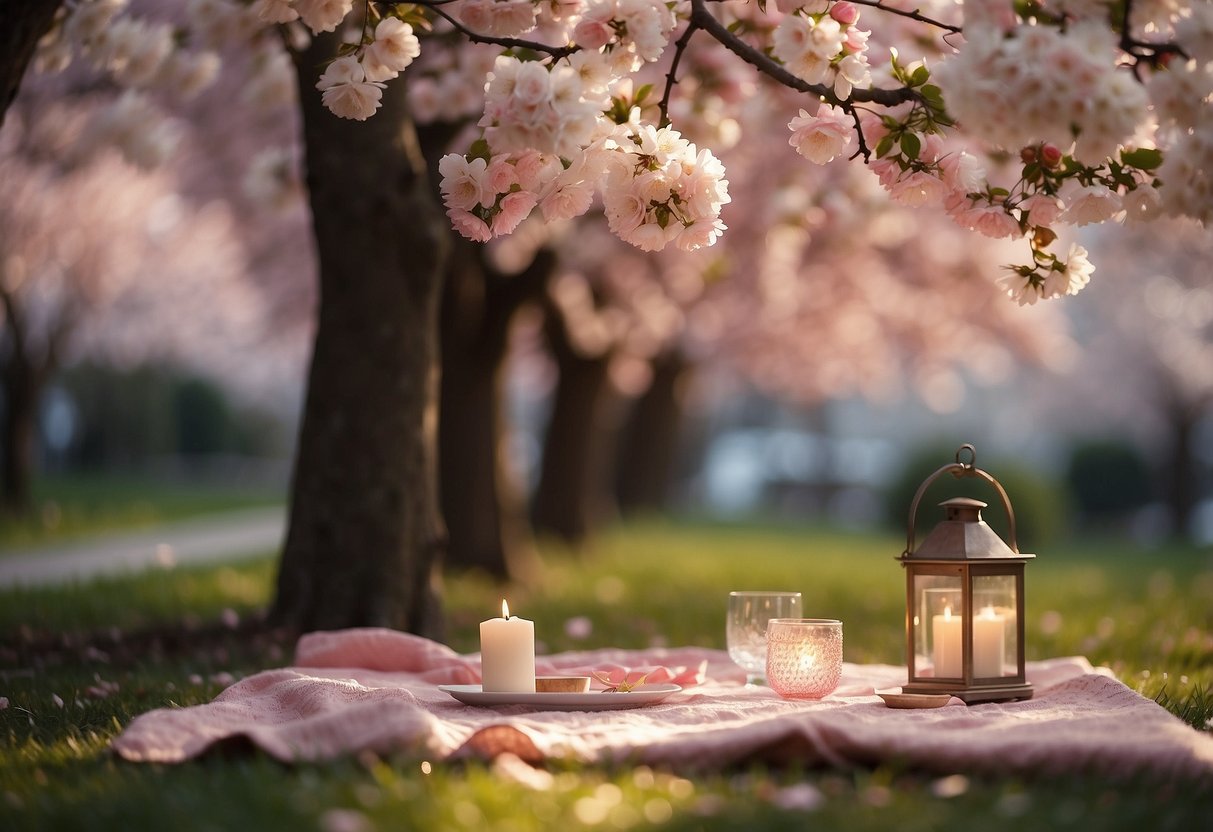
x: 79, y: 232
x: 22, y: 23
x: 1148, y: 338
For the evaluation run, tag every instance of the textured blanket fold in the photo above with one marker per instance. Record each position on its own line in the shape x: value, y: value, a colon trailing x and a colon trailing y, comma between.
x: 372, y: 689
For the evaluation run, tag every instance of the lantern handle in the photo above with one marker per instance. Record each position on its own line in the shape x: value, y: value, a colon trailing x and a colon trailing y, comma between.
x: 960, y: 470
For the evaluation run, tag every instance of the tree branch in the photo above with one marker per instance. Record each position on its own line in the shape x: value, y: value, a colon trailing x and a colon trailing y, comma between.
x: 703, y: 19
x: 557, y: 52
x: 912, y: 15
x: 1154, y: 54
x: 671, y: 77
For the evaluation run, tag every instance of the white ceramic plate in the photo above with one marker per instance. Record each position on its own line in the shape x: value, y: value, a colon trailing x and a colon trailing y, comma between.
x: 593, y: 701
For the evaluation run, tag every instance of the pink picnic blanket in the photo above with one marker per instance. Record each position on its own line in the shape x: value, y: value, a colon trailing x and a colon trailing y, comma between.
x: 377, y: 690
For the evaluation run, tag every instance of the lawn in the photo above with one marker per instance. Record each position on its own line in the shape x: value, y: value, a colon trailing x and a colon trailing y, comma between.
x: 70, y: 507
x: 111, y: 650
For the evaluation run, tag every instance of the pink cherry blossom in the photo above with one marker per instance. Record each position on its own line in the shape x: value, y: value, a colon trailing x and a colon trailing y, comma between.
x: 917, y: 188
x: 500, y: 18
x: 462, y: 184
x: 394, y: 48
x: 323, y: 15
x: 1076, y: 274
x: 1042, y: 209
x: 346, y: 92
x: 822, y: 137
x: 1087, y: 204
x: 469, y: 225
x: 514, y: 209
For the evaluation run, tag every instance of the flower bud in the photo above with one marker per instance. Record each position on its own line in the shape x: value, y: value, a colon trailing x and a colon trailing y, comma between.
x: 844, y: 12
x: 1027, y: 155
x: 1050, y: 155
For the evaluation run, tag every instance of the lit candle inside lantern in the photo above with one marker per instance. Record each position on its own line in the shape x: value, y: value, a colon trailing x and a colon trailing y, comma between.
x: 946, y: 639
x: 507, y: 653
x: 989, y: 644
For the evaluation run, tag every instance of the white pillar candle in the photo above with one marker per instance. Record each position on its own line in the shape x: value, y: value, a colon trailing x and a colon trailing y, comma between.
x: 989, y: 644
x: 507, y: 653
x: 946, y: 639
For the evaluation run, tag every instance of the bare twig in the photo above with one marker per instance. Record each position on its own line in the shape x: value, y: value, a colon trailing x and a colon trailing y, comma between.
x: 557, y: 52
x: 912, y: 15
x: 1153, y: 54
x: 671, y: 77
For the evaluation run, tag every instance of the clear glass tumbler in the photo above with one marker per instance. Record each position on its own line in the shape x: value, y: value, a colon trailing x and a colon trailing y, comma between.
x: 804, y: 656
x: 746, y: 632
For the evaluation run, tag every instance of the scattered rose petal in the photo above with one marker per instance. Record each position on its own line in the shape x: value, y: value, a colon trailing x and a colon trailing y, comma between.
x: 578, y: 627
x: 3, y: 702
x: 802, y: 797
x: 1050, y: 622
x: 222, y: 678
x: 952, y: 786
x: 877, y: 796
x: 345, y: 820
x: 194, y: 679
x: 230, y: 618
x: 1013, y: 805
x: 57, y: 699
x: 511, y: 768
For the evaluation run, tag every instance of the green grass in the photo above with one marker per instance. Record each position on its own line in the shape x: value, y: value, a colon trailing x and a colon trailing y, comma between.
x: 71, y: 507
x: 1147, y: 615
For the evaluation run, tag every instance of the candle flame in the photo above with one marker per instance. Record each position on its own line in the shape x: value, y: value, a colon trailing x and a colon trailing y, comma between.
x: 505, y: 609
x: 988, y: 612
x: 947, y: 613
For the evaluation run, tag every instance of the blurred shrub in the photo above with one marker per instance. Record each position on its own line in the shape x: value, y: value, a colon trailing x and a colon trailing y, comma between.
x: 202, y: 418
x: 125, y: 418
x: 122, y: 417
x: 1108, y: 478
x: 1039, y: 504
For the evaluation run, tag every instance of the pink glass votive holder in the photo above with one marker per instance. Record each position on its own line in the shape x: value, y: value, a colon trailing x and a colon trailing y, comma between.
x: 804, y: 656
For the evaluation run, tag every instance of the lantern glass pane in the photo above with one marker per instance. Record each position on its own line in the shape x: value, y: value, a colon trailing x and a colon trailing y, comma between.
x: 994, y: 627
x: 938, y: 607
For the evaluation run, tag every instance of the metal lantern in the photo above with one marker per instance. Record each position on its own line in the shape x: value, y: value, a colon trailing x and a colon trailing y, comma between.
x: 964, y: 599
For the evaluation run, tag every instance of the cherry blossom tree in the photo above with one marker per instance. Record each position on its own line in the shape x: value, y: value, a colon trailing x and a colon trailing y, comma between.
x: 969, y: 115
x: 1147, y: 362
x: 99, y: 258
x: 22, y: 24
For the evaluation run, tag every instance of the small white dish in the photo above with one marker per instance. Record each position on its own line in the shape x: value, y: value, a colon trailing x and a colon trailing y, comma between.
x: 593, y: 701
x: 895, y: 699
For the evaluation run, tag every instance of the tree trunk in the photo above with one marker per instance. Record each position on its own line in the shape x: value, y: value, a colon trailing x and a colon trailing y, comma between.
x: 483, y: 511
x: 1181, y: 482
x: 571, y: 497
x: 365, y: 534
x: 648, y: 448
x: 18, y: 418
x: 22, y: 24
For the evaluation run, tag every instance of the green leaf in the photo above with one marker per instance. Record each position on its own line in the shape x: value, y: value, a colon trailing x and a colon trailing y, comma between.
x: 480, y: 150
x: 884, y: 146
x: 911, y: 145
x: 1142, y: 158
x: 920, y: 76
x: 642, y: 94
x: 932, y: 93
x: 999, y: 192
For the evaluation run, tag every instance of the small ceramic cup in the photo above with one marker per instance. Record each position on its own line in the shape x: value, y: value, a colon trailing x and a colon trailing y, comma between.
x: 804, y: 656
